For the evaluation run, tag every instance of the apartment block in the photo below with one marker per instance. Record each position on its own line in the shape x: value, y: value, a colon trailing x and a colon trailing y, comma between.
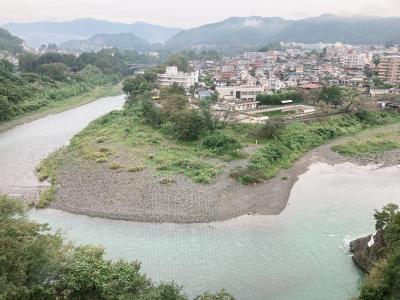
x: 389, y: 69
x: 172, y: 75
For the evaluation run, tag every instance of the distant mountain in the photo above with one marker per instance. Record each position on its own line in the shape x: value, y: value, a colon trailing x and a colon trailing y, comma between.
x: 250, y: 32
x: 10, y: 43
x: 355, y: 30
x: 123, y: 41
x: 59, y: 32
x: 234, y: 32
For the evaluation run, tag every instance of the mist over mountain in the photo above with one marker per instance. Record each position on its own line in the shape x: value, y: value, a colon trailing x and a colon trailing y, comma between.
x: 37, y: 33
x: 123, y: 41
x: 250, y: 32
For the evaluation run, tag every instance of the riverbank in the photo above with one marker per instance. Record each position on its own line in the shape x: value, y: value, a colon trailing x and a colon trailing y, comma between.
x: 68, y: 103
x: 119, y: 191
x: 23, y: 147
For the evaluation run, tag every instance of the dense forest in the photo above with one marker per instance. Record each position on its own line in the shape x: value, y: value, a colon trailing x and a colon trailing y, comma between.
x: 40, y: 80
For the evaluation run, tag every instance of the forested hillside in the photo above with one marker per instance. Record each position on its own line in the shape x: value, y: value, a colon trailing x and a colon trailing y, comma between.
x: 124, y: 41
x: 9, y: 42
x: 245, y: 33
x: 41, y: 80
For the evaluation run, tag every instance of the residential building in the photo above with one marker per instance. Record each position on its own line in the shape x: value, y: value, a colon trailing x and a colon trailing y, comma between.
x: 389, y: 69
x: 239, y: 105
x: 354, y: 60
x: 241, y: 93
x: 173, y: 76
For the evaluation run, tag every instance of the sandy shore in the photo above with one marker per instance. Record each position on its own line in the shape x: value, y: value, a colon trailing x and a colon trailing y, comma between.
x: 95, y: 190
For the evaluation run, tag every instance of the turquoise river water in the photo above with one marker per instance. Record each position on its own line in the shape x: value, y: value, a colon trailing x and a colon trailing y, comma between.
x: 300, y: 254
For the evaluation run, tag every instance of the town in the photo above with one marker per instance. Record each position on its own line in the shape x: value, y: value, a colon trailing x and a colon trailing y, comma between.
x: 295, y: 74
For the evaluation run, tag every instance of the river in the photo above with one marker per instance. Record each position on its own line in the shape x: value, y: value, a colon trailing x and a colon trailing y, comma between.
x: 300, y: 254
x: 23, y: 147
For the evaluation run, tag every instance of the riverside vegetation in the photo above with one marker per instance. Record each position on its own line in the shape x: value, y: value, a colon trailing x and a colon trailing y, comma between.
x: 53, y: 79
x: 38, y: 264
x: 383, y: 280
x: 370, y: 146
x: 165, y: 134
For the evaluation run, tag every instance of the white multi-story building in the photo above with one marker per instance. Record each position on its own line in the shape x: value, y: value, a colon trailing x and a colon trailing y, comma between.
x: 354, y: 60
x: 241, y: 93
x: 173, y: 76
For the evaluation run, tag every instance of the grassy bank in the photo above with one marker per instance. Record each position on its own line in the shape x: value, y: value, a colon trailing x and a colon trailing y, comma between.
x: 370, y: 146
x: 298, y: 138
x: 65, y: 104
x: 122, y: 142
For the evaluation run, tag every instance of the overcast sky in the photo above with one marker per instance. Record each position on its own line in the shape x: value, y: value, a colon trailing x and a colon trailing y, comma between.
x: 186, y: 13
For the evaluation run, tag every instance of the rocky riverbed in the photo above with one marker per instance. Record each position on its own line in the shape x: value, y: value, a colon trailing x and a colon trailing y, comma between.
x: 93, y: 189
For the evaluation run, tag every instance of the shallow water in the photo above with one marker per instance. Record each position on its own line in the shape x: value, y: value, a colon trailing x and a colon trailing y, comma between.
x: 23, y: 147
x: 300, y: 254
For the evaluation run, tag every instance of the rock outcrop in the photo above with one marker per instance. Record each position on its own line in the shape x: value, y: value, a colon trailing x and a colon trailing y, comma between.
x: 368, y: 250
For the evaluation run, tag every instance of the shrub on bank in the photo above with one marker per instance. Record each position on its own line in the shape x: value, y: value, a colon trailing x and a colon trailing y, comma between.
x: 297, y: 139
x: 221, y: 143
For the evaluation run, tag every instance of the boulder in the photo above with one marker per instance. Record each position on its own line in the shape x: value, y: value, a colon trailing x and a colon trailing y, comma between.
x: 368, y: 250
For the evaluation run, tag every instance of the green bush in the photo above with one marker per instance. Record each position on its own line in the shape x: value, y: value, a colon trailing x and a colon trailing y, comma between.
x: 221, y: 143
x: 188, y: 125
x: 269, y: 130
x: 7, y: 110
x: 152, y: 115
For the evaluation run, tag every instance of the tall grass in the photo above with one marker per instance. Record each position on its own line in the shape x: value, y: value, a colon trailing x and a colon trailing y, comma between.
x: 298, y: 138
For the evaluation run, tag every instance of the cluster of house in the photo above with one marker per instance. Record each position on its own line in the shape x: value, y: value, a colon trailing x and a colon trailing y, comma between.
x: 239, y: 80
x: 10, y: 58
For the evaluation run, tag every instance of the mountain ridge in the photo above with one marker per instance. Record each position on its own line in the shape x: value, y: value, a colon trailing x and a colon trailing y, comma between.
x: 58, y: 32
x: 255, y: 31
x: 123, y: 41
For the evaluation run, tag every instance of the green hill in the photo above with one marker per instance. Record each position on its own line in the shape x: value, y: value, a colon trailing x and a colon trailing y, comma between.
x: 9, y: 42
x: 123, y: 41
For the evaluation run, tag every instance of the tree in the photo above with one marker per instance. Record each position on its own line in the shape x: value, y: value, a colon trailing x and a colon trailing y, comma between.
x: 176, y: 89
x: 171, y: 104
x: 152, y: 115
x: 385, y: 216
x: 188, y: 125
x: 27, y: 62
x: 179, y: 60
x: 221, y: 295
x: 6, y: 109
x: 30, y: 257
x: 269, y: 130
x: 332, y: 95
x: 56, y: 71
x: 138, y: 85
x: 383, y: 282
